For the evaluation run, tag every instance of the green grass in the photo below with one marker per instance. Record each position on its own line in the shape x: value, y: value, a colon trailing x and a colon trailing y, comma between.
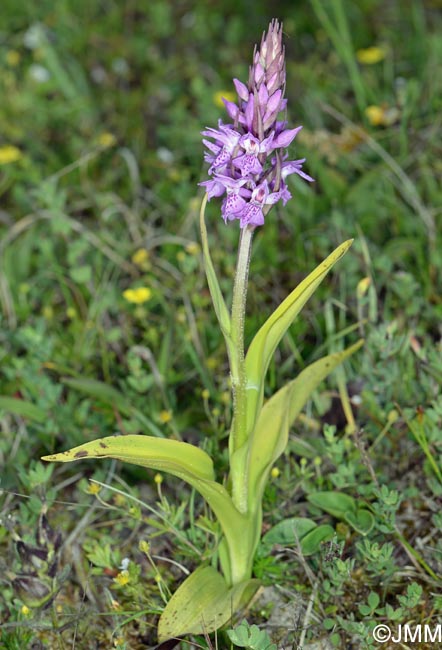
x: 77, y: 361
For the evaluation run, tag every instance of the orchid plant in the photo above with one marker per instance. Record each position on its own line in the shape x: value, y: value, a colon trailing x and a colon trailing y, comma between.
x: 249, y: 167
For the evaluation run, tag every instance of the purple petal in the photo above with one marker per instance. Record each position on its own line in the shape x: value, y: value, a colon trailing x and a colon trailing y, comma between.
x: 248, y: 164
x: 231, y: 108
x: 241, y: 89
x: 213, y: 188
x: 252, y: 215
x: 286, y: 137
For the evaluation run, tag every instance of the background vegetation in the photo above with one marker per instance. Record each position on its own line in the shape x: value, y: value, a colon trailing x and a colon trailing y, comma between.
x: 100, y: 155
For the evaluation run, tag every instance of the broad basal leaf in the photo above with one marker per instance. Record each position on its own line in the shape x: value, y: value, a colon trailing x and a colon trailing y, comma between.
x: 203, y: 603
x: 181, y: 459
x: 270, y: 334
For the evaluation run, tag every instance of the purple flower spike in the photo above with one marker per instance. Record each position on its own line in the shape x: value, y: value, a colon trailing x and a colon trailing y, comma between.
x: 248, y: 158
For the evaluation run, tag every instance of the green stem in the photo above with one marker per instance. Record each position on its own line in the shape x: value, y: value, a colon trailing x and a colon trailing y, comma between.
x: 239, y: 425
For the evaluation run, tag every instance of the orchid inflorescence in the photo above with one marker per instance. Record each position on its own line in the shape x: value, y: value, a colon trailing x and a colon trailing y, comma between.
x: 248, y: 161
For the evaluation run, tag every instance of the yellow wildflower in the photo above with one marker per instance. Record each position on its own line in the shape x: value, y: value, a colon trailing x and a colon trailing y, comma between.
x: 370, y: 55
x: 71, y: 313
x: 144, y: 546
x: 93, y: 488
x: 158, y: 478
x: 193, y: 248
x: 13, y: 58
x: 362, y: 287
x: 226, y: 94
x: 9, y: 154
x: 106, y: 139
x: 122, y: 578
x: 25, y: 610
x: 382, y: 115
x: 165, y: 416
x: 205, y: 394
x: 140, y: 257
x: 211, y: 363
x: 275, y: 472
x: 137, y: 296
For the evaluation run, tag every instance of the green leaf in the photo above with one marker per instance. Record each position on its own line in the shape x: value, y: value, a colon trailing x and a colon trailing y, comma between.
x: 311, y: 542
x: 203, y: 603
x: 113, y: 398
x: 22, y: 408
x: 100, y: 390
x: 362, y: 521
x: 219, y: 304
x: 271, y: 332
x: 269, y: 439
x: 288, y: 531
x: 181, y: 459
x: 337, y: 504
x: 81, y: 274
x: 300, y: 530
x: 343, y: 506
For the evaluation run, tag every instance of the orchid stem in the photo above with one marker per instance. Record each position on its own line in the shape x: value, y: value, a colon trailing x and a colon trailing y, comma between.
x: 239, y: 380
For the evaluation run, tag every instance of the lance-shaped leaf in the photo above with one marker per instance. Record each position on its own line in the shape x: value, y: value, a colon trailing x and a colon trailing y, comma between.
x: 270, y: 436
x: 270, y: 334
x: 203, y: 603
x: 181, y: 459
x: 219, y: 304
x: 23, y: 408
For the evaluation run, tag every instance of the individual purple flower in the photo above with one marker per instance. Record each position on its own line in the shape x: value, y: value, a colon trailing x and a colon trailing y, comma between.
x: 253, y: 212
x: 248, y: 158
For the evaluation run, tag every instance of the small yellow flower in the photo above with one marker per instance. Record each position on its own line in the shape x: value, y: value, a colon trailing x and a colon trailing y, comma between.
x: 382, y: 115
x: 9, y: 154
x: 370, y: 55
x: 93, y: 488
x: 47, y: 312
x: 140, y: 257
x: 137, y: 296
x: 25, y: 610
x: 158, y: 578
x: 375, y: 115
x: 144, y: 546
x: 362, y: 287
x: 211, y: 363
x: 165, y: 416
x: 226, y: 94
x: 226, y: 397
x: 13, y: 58
x: 106, y: 139
x: 205, y: 394
x: 71, y: 313
x: 158, y: 478
x: 181, y: 316
x: 122, y: 578
x: 59, y: 609
x: 275, y: 472
x: 193, y: 248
